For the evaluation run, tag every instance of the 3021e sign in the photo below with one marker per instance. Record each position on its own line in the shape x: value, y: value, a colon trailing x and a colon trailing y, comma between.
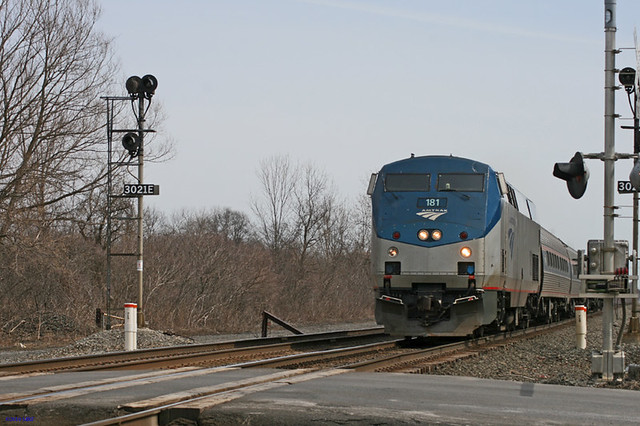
x: 625, y: 187
x: 138, y: 189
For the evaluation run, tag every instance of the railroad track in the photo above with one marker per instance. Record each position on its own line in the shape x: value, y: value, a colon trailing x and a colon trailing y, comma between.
x: 321, y: 364
x: 427, y: 360
x: 298, y: 367
x: 400, y: 355
x: 187, y: 355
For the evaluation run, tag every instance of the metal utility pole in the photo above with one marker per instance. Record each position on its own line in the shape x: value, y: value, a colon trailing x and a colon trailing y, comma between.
x: 634, y: 321
x: 141, y: 88
x: 133, y: 141
x: 629, y: 79
x: 140, y: 262
x: 610, y: 363
x: 607, y: 273
x: 609, y: 179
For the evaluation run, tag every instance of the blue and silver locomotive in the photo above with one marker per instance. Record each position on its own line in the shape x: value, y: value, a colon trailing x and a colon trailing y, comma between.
x: 457, y: 249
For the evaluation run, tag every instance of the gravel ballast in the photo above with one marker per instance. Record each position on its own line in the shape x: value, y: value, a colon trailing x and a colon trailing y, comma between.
x: 98, y: 343
x: 550, y: 358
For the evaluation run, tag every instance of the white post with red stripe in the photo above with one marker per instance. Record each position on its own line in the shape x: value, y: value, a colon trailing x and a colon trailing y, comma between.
x: 581, y: 327
x: 130, y: 326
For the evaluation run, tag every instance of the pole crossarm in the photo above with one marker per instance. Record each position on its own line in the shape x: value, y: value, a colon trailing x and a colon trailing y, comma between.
x: 616, y: 156
x: 133, y: 130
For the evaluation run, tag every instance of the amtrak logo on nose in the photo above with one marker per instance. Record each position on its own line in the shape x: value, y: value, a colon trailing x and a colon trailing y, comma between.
x: 432, y: 214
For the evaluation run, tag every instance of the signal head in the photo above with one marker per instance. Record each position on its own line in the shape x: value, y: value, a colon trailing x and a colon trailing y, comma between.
x: 149, y: 85
x: 131, y: 142
x: 627, y: 77
x: 575, y: 173
x: 134, y: 85
x: 145, y: 86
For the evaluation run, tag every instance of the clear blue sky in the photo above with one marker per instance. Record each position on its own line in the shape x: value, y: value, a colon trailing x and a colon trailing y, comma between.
x: 352, y: 85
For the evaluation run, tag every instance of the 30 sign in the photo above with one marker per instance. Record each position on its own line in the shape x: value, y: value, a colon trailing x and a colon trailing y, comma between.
x: 625, y: 187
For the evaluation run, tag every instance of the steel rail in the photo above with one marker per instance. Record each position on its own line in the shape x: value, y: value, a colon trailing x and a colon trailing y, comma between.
x: 472, y: 344
x: 323, y: 355
x: 158, y: 376
x: 164, y: 354
x: 151, y: 415
x: 161, y: 414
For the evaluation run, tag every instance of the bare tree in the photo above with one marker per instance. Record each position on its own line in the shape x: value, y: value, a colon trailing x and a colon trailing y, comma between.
x: 313, y: 201
x: 362, y: 224
x: 335, y: 232
x: 231, y: 224
x: 54, y: 66
x: 273, y: 211
x: 234, y: 225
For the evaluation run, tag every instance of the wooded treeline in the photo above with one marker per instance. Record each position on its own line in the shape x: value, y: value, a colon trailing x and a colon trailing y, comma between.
x: 303, y: 252
x: 205, y: 271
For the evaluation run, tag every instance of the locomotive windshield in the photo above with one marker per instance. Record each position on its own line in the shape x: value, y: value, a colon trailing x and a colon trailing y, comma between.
x: 465, y: 182
x: 395, y: 182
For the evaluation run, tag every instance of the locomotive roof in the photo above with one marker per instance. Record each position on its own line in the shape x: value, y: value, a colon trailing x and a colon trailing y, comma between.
x: 416, y: 164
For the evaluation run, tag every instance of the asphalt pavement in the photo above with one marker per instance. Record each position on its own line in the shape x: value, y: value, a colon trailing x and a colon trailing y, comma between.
x: 299, y: 397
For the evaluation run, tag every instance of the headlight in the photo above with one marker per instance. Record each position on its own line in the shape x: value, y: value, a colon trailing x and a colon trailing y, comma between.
x: 393, y: 251
x: 423, y: 235
x: 436, y: 234
x: 465, y: 252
